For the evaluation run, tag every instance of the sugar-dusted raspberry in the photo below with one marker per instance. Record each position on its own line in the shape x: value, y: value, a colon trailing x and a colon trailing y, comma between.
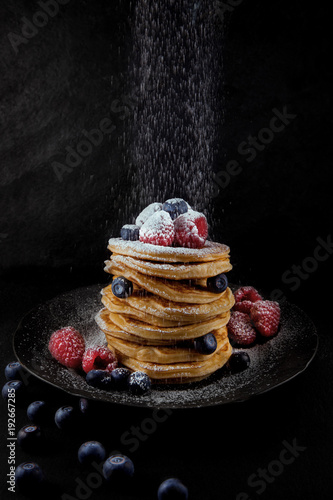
x: 246, y: 294
x: 99, y: 358
x: 158, y: 230
x: 191, y: 230
x: 240, y: 329
x: 244, y: 306
x: 265, y: 315
x: 67, y: 346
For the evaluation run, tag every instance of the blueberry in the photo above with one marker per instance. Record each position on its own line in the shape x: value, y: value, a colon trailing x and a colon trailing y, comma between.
x: 172, y: 489
x: 91, y: 451
x: 175, y: 207
x: 13, y: 388
x: 84, y: 406
x: 239, y: 361
x: 101, y: 379
x: 14, y: 371
x: 29, y: 437
x: 217, y: 284
x: 37, y: 412
x: 119, y: 378
x: 28, y: 476
x: 206, y: 344
x: 138, y: 383
x: 130, y: 232
x: 118, y: 467
x: 121, y: 287
x: 65, y: 417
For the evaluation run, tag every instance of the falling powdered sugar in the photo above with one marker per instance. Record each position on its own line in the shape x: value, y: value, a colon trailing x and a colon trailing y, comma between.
x: 172, y: 137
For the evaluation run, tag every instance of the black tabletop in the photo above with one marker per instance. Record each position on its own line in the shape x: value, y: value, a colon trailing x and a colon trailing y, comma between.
x: 277, y: 445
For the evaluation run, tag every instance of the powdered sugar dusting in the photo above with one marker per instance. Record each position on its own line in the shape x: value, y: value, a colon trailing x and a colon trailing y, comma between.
x: 155, y: 252
x: 148, y: 212
x: 130, y: 226
x: 158, y: 229
x: 157, y: 222
x: 272, y: 363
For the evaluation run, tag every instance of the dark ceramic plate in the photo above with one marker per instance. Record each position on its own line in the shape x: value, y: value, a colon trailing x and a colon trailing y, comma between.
x: 272, y: 363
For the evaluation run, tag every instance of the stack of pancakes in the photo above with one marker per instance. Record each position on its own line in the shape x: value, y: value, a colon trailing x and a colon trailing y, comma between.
x: 153, y: 330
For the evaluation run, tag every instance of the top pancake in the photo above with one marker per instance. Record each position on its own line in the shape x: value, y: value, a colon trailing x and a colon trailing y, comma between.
x: 210, y: 252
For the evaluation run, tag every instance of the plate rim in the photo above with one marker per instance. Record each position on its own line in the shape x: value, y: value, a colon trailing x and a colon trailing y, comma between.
x: 141, y: 403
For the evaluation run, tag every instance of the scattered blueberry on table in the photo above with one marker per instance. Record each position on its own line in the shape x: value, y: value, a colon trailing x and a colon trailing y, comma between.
x: 14, y: 371
x: 29, y: 437
x: 28, y: 476
x: 84, y: 406
x: 118, y: 467
x: 172, y: 489
x: 15, y: 385
x: 91, y: 451
x: 65, y: 417
x: 37, y: 412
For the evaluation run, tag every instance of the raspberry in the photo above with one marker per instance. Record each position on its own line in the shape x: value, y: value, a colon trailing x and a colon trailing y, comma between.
x: 265, y: 315
x: 244, y: 306
x: 244, y: 298
x: 67, y: 347
x: 241, y: 329
x: 158, y: 229
x: 99, y: 358
x: 191, y: 230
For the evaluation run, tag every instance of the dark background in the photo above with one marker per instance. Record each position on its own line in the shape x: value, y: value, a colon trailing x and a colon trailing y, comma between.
x: 53, y: 234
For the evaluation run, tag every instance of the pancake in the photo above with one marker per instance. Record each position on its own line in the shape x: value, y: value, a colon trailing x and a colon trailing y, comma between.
x: 104, y: 322
x: 210, y: 252
x: 177, y: 271
x: 179, y: 372
x: 165, y: 354
x: 184, y: 332
x: 169, y: 306
x: 127, y: 310
x: 174, y: 311
x: 177, y: 291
